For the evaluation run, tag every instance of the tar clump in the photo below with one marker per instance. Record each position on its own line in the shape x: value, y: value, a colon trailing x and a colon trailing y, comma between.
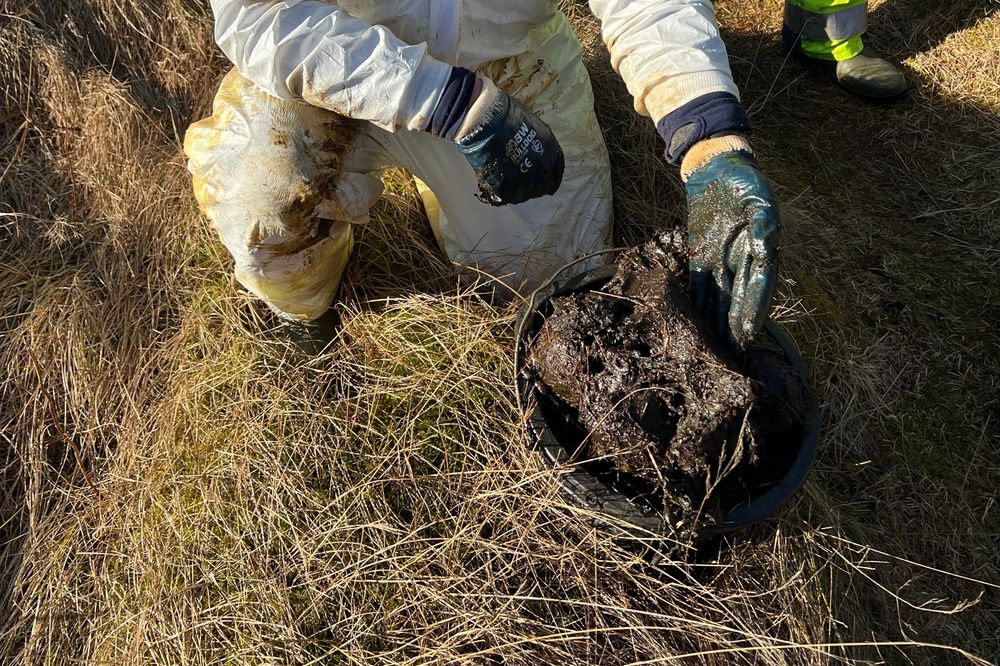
x: 663, y: 411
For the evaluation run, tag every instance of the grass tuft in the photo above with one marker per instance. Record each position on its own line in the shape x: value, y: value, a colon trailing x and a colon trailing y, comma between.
x: 179, y: 487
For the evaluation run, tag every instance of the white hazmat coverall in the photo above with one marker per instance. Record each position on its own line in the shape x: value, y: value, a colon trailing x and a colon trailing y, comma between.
x: 262, y: 163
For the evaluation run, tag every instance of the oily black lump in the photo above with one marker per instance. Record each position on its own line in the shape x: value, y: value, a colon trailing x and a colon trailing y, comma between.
x: 630, y: 360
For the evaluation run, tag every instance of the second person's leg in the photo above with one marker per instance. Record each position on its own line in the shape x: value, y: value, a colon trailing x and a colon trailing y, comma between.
x: 830, y: 31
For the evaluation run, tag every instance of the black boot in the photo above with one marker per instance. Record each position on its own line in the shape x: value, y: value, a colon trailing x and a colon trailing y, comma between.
x: 870, y: 76
x: 866, y: 74
x: 311, y: 338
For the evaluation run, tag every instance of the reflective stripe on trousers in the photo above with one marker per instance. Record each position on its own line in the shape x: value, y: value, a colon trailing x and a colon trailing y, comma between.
x: 829, y: 29
x: 284, y: 183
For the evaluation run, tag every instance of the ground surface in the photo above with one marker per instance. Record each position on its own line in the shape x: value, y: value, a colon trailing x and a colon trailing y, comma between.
x: 177, y: 488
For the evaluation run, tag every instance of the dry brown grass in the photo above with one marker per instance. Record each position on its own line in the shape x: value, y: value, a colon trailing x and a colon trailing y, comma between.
x: 179, y: 488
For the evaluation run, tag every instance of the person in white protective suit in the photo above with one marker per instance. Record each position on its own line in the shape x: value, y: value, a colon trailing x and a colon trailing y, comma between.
x: 489, y: 106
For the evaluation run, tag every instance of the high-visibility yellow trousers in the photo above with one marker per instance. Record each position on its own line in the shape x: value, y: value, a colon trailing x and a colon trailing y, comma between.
x: 827, y: 29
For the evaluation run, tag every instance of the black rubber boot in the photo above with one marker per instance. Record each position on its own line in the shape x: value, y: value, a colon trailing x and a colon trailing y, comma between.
x: 870, y: 76
x: 865, y: 75
x: 311, y: 338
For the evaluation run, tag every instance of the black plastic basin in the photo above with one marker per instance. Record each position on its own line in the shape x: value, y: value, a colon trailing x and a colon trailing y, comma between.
x: 546, y: 427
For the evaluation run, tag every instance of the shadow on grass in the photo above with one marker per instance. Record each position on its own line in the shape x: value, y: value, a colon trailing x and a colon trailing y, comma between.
x: 890, y: 243
x: 80, y: 34
x: 889, y: 247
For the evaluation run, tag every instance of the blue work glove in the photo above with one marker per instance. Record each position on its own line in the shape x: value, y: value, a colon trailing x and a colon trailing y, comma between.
x: 733, y: 228
x: 513, y: 152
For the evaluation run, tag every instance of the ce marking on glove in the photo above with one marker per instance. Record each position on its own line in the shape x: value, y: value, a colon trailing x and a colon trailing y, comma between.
x: 527, y: 164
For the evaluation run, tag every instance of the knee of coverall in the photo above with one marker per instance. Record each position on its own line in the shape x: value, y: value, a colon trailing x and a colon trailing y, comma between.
x: 577, y: 221
x: 268, y: 175
x: 522, y: 245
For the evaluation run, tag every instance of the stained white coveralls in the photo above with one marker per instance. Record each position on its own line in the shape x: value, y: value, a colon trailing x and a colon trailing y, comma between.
x: 262, y: 162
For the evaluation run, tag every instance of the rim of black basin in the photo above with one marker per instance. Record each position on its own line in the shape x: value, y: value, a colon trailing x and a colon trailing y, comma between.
x: 583, y: 489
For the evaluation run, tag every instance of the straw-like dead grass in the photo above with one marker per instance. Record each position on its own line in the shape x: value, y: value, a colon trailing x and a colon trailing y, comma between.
x: 180, y: 488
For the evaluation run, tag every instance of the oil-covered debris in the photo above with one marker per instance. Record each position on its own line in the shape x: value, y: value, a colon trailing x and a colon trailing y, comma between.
x: 629, y: 363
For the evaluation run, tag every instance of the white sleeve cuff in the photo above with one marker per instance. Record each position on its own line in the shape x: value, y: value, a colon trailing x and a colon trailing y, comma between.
x: 423, y: 93
x: 674, y: 92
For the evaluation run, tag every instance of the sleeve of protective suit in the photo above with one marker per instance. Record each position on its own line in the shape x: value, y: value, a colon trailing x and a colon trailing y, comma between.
x: 668, y: 52
x: 315, y: 52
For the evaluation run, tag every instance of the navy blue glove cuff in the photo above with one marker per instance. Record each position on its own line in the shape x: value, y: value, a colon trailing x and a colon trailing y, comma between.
x: 710, y: 115
x: 454, y: 103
